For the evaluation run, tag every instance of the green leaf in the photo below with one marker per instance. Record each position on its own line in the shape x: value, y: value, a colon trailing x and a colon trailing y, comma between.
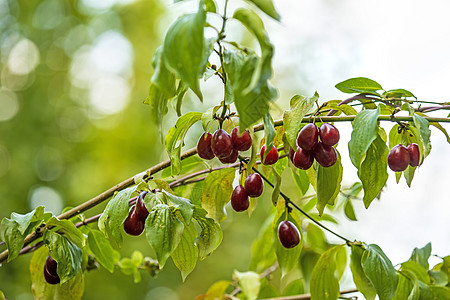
x: 14, y: 230
x: 208, y: 117
x: 184, y: 49
x: 70, y: 290
x: 292, y: 118
x: 405, y: 288
x: 216, y: 192
x: 186, y: 254
x: 209, y: 238
x: 250, y: 105
x: 67, y: 255
x: 67, y: 228
x: 210, y: 6
x: 184, y: 205
x: 421, y: 255
x: 301, y: 179
x: 360, y: 279
x: 380, y: 271
x: 324, y: 283
x: 269, y: 133
x: 440, y: 292
x: 398, y: 93
x: 267, y: 7
x: 158, y: 105
x: 175, y: 138
x: 294, y: 288
x: 249, y: 283
x: 255, y: 25
x: 328, y: 184
x: 163, y: 231
x: 422, y: 125
x: 130, y: 266
x: 349, y: 210
x: 373, y: 170
x: 188, y: 164
x: 287, y: 257
x: 359, y: 85
x: 263, y: 252
x: 162, y: 78
x: 115, y: 213
x: 177, y: 101
x: 104, y: 253
x: 365, y: 131
x: 419, y: 271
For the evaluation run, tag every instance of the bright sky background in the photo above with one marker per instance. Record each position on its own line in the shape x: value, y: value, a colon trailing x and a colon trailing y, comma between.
x: 400, y: 44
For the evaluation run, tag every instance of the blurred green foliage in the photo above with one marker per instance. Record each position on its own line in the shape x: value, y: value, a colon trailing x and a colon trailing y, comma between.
x: 72, y: 124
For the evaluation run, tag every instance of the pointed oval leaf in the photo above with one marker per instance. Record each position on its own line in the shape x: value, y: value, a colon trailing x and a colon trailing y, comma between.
x: 328, y: 184
x: 186, y: 254
x: 360, y: 279
x: 359, y: 85
x: 104, y: 253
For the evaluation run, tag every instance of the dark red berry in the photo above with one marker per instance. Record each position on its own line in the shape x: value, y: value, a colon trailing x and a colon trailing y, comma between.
x: 414, y: 154
x: 50, y: 278
x: 141, y: 210
x: 230, y: 159
x: 272, y: 156
x: 254, y: 185
x: 221, y: 144
x: 325, y: 155
x: 303, y: 159
x: 288, y: 234
x: 204, y: 146
x: 50, y: 274
x: 133, y: 224
x: 398, y: 158
x: 329, y: 135
x: 308, y: 136
x: 239, y: 199
x: 241, y: 142
x: 291, y: 154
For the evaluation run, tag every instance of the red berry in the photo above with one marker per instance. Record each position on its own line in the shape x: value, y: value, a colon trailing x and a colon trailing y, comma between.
x: 204, y: 146
x: 221, y: 144
x: 272, y: 156
x: 303, y: 159
x: 291, y: 154
x: 50, y: 278
x: 239, y: 199
x: 254, y: 185
x: 141, y: 210
x: 308, y: 136
x: 329, y: 135
x: 325, y: 155
x: 398, y: 158
x: 230, y: 159
x: 50, y: 274
x: 414, y: 154
x: 288, y: 234
x: 241, y: 142
x: 133, y: 224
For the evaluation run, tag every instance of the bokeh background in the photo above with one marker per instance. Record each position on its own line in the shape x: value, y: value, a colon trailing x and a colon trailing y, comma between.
x: 74, y: 74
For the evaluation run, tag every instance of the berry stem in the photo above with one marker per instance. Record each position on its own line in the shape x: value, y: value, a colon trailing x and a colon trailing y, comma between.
x: 289, y: 201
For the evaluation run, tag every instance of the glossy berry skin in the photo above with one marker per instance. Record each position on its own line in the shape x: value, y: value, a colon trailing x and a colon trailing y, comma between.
x: 50, y: 278
x: 329, y: 135
x: 398, y: 158
x: 230, y: 159
x: 221, y: 144
x: 204, y: 146
x: 291, y: 154
x: 254, y: 185
x: 141, y: 210
x: 288, y: 234
x: 50, y: 274
x: 308, y: 136
x: 133, y: 224
x: 239, y: 199
x: 272, y: 156
x: 325, y: 155
x: 414, y: 154
x: 303, y: 159
x: 241, y: 142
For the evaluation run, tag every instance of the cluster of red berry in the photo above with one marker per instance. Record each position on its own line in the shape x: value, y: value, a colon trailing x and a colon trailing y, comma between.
x: 50, y: 274
x: 134, y: 223
x: 400, y: 157
x: 309, y: 147
x: 253, y: 187
x: 226, y: 147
